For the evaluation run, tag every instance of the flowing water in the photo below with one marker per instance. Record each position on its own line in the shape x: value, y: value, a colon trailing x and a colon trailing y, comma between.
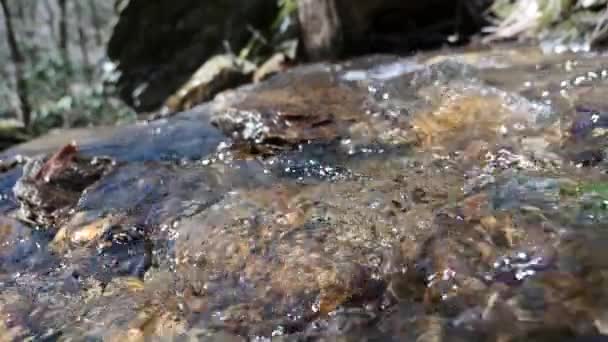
x: 452, y: 197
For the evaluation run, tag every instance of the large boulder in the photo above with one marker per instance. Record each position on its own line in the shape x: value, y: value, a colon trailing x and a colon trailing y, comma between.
x: 379, y: 199
x: 158, y: 45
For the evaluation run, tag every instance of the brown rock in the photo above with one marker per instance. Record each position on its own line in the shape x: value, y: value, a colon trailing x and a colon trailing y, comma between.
x: 216, y: 74
x: 51, y: 186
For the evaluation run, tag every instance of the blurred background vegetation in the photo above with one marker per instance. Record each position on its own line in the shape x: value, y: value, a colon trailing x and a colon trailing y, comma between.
x: 56, y: 71
x: 580, y: 24
x: 60, y: 69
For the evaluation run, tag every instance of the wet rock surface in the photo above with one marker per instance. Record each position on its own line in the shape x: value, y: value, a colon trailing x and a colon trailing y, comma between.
x: 49, y: 187
x: 439, y: 198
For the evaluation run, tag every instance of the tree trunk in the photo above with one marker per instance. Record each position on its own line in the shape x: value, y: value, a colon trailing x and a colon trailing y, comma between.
x: 96, y: 22
x: 17, y: 57
x: 321, y: 29
x: 21, y: 10
x: 82, y: 39
x: 33, y: 13
x: 51, y: 19
x: 63, y: 33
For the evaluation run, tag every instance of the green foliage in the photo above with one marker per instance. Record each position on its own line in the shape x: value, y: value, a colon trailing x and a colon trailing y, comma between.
x: 89, y: 107
x: 287, y: 10
x: 594, y: 194
x: 63, y: 96
x: 591, y: 189
x: 7, y: 96
x: 66, y: 98
x: 280, y: 37
x: 584, y: 203
x: 599, y: 190
x: 594, y: 201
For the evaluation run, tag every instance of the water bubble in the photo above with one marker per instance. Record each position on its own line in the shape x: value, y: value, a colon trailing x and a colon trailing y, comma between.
x: 569, y: 65
x: 579, y: 80
x: 278, y: 331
